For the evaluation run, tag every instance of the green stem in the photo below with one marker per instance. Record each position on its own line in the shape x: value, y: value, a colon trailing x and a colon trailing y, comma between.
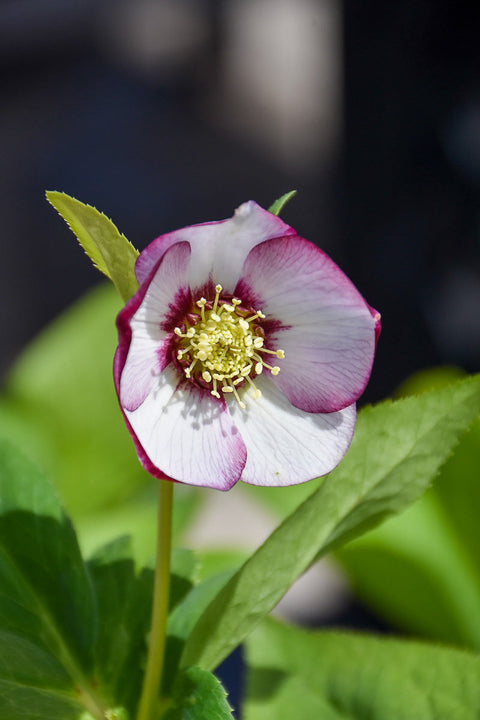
x: 149, y: 700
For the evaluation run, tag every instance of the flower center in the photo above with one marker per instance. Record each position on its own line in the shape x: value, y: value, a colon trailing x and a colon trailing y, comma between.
x: 223, y: 345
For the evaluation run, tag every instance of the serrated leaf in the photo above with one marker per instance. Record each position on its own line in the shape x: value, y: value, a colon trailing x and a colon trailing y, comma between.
x: 277, y: 207
x: 333, y: 676
x: 46, y: 598
x: 198, y: 695
x: 397, y: 450
x: 110, y: 252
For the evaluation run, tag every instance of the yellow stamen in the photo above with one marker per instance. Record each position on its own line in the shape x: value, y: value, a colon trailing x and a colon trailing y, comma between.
x: 218, y: 290
x: 256, y: 392
x: 222, y: 347
x: 279, y: 353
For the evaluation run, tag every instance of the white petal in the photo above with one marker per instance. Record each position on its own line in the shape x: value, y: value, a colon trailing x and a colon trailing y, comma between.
x: 286, y: 446
x: 149, y: 342
x: 218, y: 248
x: 188, y: 435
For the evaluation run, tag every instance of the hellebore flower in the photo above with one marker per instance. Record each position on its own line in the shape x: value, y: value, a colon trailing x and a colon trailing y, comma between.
x: 242, y: 354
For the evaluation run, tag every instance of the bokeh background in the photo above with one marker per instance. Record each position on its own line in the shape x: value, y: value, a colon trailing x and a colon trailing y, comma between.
x: 163, y: 113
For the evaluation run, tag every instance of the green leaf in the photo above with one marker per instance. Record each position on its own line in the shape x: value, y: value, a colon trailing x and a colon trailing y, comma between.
x: 184, y: 618
x: 333, y: 676
x: 396, y: 452
x: 277, y: 207
x: 124, y: 604
x: 110, y: 252
x: 421, y: 570
x: 124, y: 607
x: 24, y: 663
x: 33, y: 684
x: 198, y: 695
x: 19, y: 702
x: 47, y: 598
x: 46, y: 591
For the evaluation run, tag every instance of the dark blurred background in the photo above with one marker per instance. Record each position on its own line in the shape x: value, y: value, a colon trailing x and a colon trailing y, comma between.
x: 163, y: 113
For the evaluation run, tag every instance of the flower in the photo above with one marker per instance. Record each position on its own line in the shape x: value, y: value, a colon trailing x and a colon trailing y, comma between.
x: 242, y: 354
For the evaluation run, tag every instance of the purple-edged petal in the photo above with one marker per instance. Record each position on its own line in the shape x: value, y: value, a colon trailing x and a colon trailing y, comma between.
x: 218, y: 248
x: 143, y: 320
x: 286, y: 446
x: 187, y: 434
x: 321, y: 321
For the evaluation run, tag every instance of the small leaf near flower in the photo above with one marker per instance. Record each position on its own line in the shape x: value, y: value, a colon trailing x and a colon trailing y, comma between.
x: 110, y: 252
x: 277, y: 207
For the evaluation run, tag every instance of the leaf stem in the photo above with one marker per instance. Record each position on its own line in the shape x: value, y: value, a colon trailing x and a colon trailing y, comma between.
x: 148, y: 706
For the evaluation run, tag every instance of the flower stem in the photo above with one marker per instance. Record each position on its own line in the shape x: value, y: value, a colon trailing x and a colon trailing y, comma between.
x: 149, y: 700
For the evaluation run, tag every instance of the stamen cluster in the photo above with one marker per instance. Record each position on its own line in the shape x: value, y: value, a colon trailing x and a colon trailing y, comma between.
x: 223, y: 345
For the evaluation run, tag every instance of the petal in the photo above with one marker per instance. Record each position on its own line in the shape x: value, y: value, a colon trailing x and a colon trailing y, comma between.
x: 318, y: 318
x: 286, y: 446
x: 188, y: 435
x: 141, y: 326
x: 218, y: 248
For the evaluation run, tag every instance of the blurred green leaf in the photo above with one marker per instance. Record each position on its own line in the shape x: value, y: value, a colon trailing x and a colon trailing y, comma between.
x: 137, y: 517
x: 330, y: 675
x: 414, y: 572
x: 183, y: 575
x: 110, y: 252
x: 184, y: 617
x: 429, y: 379
x: 457, y: 491
x: 215, y: 561
x: 277, y: 207
x: 60, y: 406
x: 397, y: 450
x: 281, y: 500
x: 421, y: 570
x: 198, y: 695
x: 62, y: 389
